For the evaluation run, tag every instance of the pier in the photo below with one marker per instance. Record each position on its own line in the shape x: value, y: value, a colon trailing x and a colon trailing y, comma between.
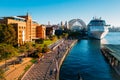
x: 112, y: 54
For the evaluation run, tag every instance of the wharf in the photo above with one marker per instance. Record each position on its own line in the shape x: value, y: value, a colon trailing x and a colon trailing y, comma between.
x: 112, y: 54
x: 114, y: 50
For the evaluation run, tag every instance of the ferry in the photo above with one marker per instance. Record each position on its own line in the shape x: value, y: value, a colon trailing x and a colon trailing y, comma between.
x: 97, y: 28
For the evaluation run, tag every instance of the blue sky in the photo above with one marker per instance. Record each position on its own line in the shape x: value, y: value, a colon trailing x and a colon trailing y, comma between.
x: 63, y: 10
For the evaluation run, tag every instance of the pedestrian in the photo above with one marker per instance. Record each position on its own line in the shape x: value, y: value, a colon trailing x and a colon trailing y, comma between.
x: 38, y: 60
x: 55, y: 72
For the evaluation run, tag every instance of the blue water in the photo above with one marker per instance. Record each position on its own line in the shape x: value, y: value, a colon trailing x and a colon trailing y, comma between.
x: 86, y: 59
x: 113, y: 38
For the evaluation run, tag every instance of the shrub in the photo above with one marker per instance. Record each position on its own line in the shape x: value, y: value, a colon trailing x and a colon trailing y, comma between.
x: 27, y: 67
x: 39, y: 41
x: 45, y: 49
x: 33, y: 60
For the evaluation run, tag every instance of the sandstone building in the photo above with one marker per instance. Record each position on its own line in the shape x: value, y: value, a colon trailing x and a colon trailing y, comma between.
x: 27, y: 29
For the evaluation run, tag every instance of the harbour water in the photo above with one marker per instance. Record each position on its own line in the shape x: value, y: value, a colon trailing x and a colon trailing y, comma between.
x: 112, y: 38
x: 85, y: 58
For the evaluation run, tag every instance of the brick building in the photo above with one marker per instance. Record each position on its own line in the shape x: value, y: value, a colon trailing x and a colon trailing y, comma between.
x: 25, y: 27
x: 41, y: 32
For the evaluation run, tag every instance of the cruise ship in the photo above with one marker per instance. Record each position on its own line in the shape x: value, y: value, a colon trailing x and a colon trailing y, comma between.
x: 97, y: 28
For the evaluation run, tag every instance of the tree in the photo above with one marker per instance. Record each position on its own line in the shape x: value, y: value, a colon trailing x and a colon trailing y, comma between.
x: 65, y: 35
x: 29, y: 45
x: 74, y: 34
x: 7, y: 52
x: 8, y: 34
x: 53, y: 37
x: 45, y: 49
x: 29, y: 48
x: 58, y: 33
x: 39, y: 49
x: 2, y: 74
x: 4, y: 51
x: 22, y: 49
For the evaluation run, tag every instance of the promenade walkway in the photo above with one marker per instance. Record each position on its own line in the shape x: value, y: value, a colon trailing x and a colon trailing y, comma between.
x: 15, y: 71
x: 47, y: 68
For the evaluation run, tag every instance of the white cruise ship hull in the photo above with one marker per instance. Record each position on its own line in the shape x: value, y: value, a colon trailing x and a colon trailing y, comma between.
x: 98, y: 34
x: 97, y: 28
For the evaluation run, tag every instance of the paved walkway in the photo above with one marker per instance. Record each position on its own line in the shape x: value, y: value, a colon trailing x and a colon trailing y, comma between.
x: 46, y: 68
x: 2, y: 63
x: 17, y: 70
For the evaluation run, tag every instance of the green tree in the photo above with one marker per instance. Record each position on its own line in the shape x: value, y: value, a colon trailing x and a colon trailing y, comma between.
x: 65, y: 35
x: 8, y: 34
x: 53, y: 37
x: 4, y: 51
x: 22, y: 49
x: 74, y: 34
x: 45, y: 49
x: 2, y: 74
x: 39, y: 49
x: 7, y: 52
x: 29, y: 48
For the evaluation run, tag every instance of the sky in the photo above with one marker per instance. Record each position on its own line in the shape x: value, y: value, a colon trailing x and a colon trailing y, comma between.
x: 56, y: 11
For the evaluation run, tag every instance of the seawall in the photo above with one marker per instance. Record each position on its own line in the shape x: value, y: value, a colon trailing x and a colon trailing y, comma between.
x: 112, y: 55
x: 64, y: 56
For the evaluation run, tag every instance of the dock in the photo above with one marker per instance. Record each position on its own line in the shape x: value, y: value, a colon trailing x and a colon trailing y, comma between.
x: 112, y: 54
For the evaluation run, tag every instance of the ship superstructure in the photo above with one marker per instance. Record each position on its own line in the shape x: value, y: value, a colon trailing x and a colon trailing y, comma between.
x: 97, y: 28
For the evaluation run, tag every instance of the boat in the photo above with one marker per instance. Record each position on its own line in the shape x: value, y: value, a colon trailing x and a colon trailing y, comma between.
x: 97, y: 28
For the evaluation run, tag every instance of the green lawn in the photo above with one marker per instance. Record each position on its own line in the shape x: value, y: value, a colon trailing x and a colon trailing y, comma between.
x: 47, y: 42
